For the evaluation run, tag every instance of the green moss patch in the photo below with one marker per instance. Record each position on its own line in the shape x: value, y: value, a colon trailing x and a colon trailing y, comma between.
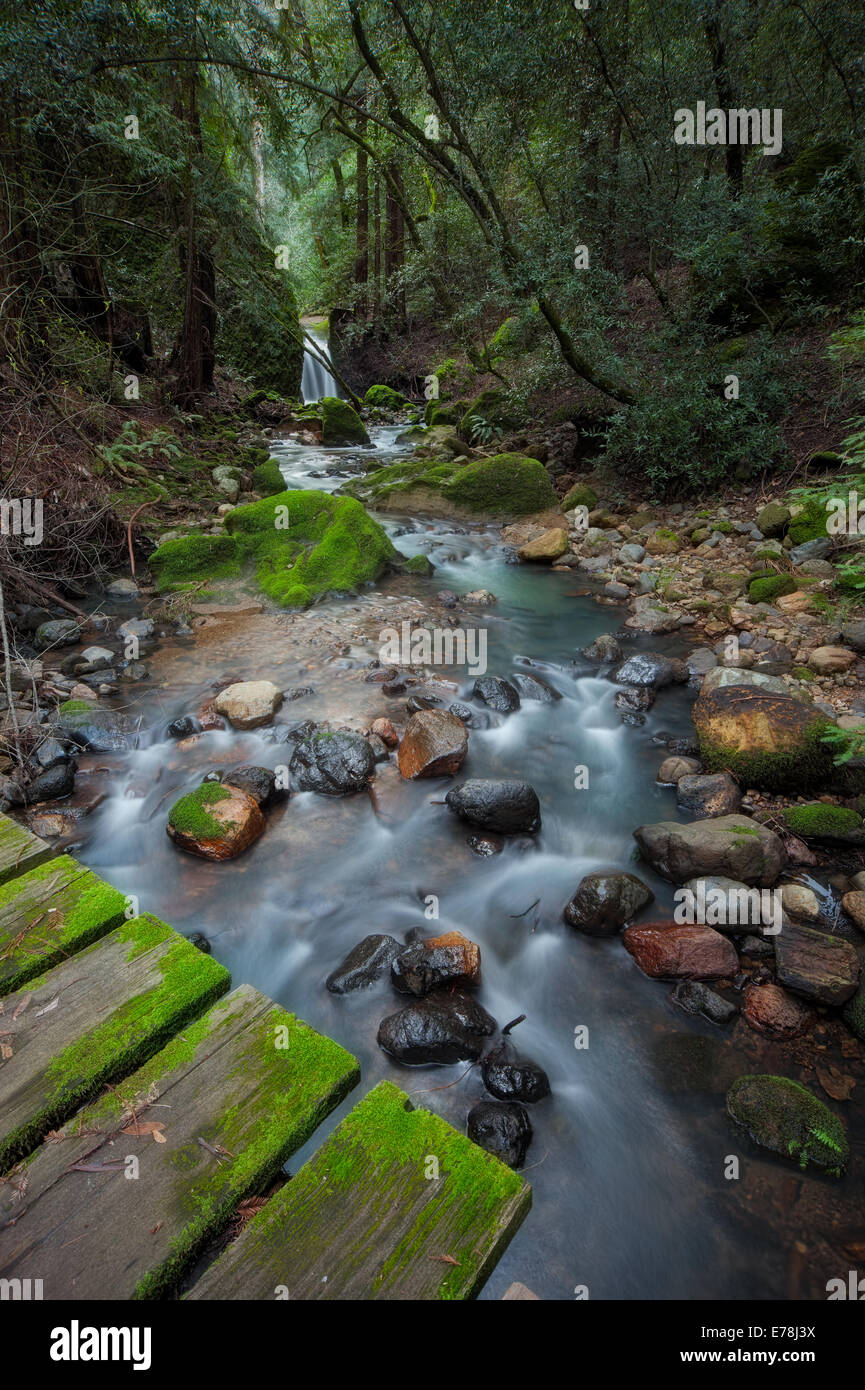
x: 267, y: 478
x: 190, y: 815
x: 340, y: 423
x: 580, y: 495
x: 766, y: 588
x: 821, y: 821
x: 193, y: 559
x: 787, y: 1119
x: 505, y: 485
x: 48, y: 914
x: 384, y: 398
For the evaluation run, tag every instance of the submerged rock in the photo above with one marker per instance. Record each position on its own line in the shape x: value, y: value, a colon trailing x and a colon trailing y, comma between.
x: 604, y: 649
x: 440, y: 1030
x: 531, y: 688
x: 784, y: 1117
x: 258, y: 782
x: 604, y: 902
x: 672, y: 770
x: 508, y: 1076
x: 94, y: 727
x: 503, y: 1129
x: 508, y: 808
x: 365, y: 963
x: 771, y: 1010
x: 440, y: 961
x: 333, y: 764
x: 434, y: 744
x: 701, y: 1001
x: 215, y: 822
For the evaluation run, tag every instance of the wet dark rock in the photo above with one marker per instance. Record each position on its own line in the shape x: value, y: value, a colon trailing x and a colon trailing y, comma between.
x: 651, y: 669
x: 605, y: 902
x: 733, y: 846
x: 699, y: 1000
x: 705, y: 796
x: 289, y: 733
x: 365, y: 963
x: 508, y: 808
x: 502, y: 1128
x: 441, y: 961
x: 816, y: 964
x: 686, y: 747
x: 199, y: 940
x: 59, y: 632
x: 258, y: 782
x: 531, y: 688
x: 758, y: 947
x: 96, y: 728
x: 55, y: 782
x: 418, y: 702
x: 400, y: 683
x: 299, y: 692
x: 508, y: 1076
x: 498, y: 693
x: 48, y: 753
x: 333, y: 764
x: 379, y: 674
x: 440, y: 1029
x: 636, y: 699
x: 473, y: 719
x: 447, y: 598
x: 604, y: 649
x: 184, y: 727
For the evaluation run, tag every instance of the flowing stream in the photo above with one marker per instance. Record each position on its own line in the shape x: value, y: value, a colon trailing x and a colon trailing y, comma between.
x: 627, y: 1162
x: 317, y: 381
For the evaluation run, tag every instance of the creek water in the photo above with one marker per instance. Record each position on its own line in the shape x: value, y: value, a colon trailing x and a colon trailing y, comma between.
x: 628, y: 1158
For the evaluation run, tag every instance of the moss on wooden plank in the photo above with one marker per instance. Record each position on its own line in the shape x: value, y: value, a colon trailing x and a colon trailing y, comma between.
x: 20, y: 851
x: 396, y: 1205
x: 48, y: 914
x: 174, y: 984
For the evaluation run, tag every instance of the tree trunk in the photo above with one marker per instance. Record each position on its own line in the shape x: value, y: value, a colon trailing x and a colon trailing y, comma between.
x: 395, y: 248
x: 361, y: 258
x: 725, y: 94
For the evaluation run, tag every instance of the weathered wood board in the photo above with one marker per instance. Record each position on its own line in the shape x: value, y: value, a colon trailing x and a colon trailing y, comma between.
x: 115, y: 1208
x: 19, y: 849
x: 50, y: 913
x: 366, y: 1218
x: 92, y: 1020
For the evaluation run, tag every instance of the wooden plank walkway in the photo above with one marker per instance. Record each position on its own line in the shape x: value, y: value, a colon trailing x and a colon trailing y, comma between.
x: 366, y: 1219
x: 122, y: 1200
x: 19, y: 850
x: 50, y: 913
x: 201, y: 1110
x: 92, y: 1020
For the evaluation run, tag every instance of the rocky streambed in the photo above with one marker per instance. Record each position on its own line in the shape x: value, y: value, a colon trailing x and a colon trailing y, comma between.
x: 481, y: 882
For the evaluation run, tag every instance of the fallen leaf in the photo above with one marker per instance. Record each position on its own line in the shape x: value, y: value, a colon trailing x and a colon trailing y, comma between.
x: 445, y: 1259
x: 22, y: 1005
x: 5, y: 1051
x: 159, y: 1138
x: 139, y: 1127
x: 837, y: 1086
x: 155, y: 1228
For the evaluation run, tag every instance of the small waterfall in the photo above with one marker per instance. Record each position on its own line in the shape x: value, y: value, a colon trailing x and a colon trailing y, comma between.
x: 317, y: 381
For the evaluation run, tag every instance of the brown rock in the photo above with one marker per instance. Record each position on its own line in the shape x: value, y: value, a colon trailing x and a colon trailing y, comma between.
x: 827, y: 660
x: 208, y: 718
x: 386, y: 732
x: 240, y: 820
x: 673, y: 769
x: 670, y: 951
x: 798, y: 602
x: 434, y: 744
x: 249, y: 704
x: 549, y: 546
x: 765, y: 739
x: 771, y: 1010
x: 816, y: 965
x: 854, y: 905
x: 447, y: 960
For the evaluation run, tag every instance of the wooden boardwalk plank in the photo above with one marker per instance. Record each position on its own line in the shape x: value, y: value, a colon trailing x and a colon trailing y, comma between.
x: 50, y: 913
x: 92, y: 1020
x: 364, y: 1220
x: 19, y: 849
x: 248, y: 1079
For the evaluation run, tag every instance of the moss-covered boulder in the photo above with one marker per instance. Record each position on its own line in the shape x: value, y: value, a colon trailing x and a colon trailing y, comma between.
x: 215, y: 822
x: 580, y: 495
x: 444, y: 412
x: 177, y: 564
x: 767, y: 587
x: 267, y: 478
x: 506, y: 485
x: 773, y: 519
x: 809, y: 524
x: 819, y: 820
x: 663, y: 542
x: 785, y: 1118
x: 384, y: 398
x: 491, y: 407
x: 340, y: 423
x: 765, y: 738
x: 306, y: 544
